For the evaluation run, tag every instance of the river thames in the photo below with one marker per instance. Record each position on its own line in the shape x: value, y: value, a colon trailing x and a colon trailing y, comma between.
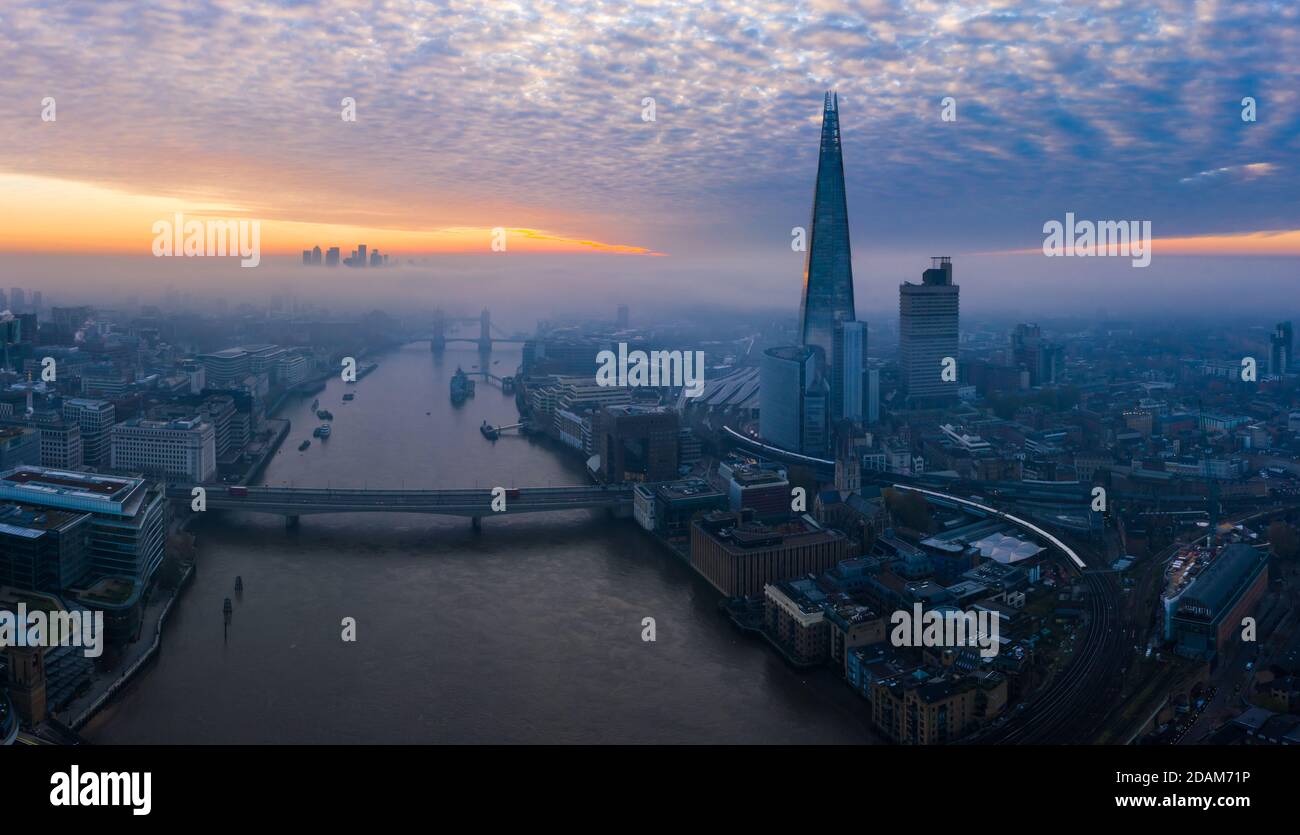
x: 528, y: 632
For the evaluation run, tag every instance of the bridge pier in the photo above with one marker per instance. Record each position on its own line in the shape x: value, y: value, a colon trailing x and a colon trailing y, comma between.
x: 476, y: 522
x: 291, y: 522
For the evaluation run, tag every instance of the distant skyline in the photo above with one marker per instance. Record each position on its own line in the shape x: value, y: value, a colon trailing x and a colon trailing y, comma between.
x: 529, y: 116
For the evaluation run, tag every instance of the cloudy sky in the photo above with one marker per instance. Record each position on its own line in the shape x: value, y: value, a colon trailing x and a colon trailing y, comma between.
x: 529, y: 116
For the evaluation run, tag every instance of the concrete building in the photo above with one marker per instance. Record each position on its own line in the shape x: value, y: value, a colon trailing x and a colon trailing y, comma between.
x: 740, y: 556
x: 60, y: 444
x: 95, y: 419
x: 928, y: 316
x: 226, y: 369
x: 19, y: 445
x: 915, y: 711
x: 636, y: 443
x: 794, y: 620
x: 1206, y: 617
x: 177, y: 449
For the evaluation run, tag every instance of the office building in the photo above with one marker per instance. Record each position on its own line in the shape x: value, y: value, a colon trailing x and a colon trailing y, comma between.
x: 60, y: 443
x: 794, y: 399
x: 740, y: 556
x: 636, y: 443
x: 104, y: 381
x: 1205, y: 619
x: 42, y: 549
x: 667, y: 509
x: 184, y: 450
x: 1279, y: 350
x: 763, y: 489
x: 828, y: 265
x: 95, y: 419
x: 19, y: 445
x: 226, y: 369
x: 873, y: 396
x: 1033, y: 354
x: 849, y: 372
x: 927, y: 331
x: 128, y: 530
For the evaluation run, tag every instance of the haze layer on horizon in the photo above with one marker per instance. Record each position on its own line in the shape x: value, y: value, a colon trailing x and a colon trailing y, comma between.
x: 532, y: 116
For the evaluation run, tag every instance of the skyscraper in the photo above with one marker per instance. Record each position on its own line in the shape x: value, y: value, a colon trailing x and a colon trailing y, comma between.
x: 828, y: 267
x: 1279, y: 354
x: 848, y: 383
x: 927, y: 335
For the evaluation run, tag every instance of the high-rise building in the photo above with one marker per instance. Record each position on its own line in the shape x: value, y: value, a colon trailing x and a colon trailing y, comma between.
x: 873, y: 396
x: 361, y: 256
x: 306, y: 257
x: 1279, y: 353
x: 849, y: 372
x: 828, y: 267
x: 332, y: 257
x: 927, y: 336
x: 622, y: 317
x: 60, y: 442
x: 95, y: 418
x: 315, y: 256
x: 17, y: 300
x: 794, y: 399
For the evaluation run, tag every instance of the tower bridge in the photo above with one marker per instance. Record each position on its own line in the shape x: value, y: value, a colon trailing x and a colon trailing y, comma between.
x: 443, y: 324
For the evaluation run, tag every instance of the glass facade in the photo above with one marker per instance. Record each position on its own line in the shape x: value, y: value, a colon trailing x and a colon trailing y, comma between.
x: 828, y: 267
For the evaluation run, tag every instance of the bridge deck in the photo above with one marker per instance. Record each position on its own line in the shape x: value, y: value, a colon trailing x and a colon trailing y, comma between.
x: 478, y: 501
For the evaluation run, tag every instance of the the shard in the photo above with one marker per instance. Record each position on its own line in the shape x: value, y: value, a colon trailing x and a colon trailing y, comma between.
x: 828, y: 268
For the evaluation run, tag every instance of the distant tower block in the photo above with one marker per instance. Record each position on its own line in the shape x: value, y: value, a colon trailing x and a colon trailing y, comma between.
x: 26, y: 683
x: 485, y: 331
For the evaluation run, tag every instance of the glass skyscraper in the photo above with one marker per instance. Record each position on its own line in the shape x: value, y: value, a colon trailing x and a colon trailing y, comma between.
x: 828, y: 268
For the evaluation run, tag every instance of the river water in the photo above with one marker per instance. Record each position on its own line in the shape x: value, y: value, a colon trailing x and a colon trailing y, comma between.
x: 529, y: 631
